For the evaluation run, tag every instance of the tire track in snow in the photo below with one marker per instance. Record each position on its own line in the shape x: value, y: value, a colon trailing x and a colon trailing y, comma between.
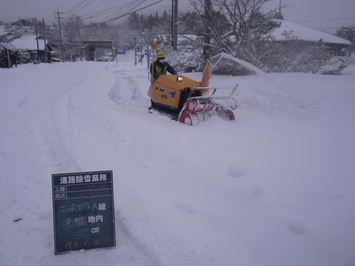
x: 67, y: 109
x: 60, y: 111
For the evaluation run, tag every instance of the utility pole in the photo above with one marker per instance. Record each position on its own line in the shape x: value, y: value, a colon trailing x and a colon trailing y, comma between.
x: 60, y: 32
x: 207, y: 30
x: 45, y: 44
x: 79, y: 32
x: 38, y: 58
x: 207, y: 33
x: 175, y: 21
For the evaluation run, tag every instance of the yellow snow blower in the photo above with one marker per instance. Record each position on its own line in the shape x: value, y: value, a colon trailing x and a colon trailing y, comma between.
x: 189, y: 101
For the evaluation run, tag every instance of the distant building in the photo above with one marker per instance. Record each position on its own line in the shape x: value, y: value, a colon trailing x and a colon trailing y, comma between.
x: 181, y: 39
x: 290, y: 32
x: 6, y: 34
x: 39, y: 48
x: 98, y: 50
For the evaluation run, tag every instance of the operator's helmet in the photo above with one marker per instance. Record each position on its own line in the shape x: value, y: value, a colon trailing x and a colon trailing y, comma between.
x: 161, y: 55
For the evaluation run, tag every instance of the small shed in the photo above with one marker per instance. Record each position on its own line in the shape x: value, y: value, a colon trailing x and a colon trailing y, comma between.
x: 39, y: 48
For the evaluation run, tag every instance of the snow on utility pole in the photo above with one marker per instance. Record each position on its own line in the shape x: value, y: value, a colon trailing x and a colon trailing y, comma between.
x: 175, y: 21
x: 60, y: 32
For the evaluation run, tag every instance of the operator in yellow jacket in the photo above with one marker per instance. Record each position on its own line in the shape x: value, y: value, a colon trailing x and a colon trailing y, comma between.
x: 160, y: 67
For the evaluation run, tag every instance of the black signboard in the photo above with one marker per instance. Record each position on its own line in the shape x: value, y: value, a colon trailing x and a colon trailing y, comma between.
x: 83, y: 211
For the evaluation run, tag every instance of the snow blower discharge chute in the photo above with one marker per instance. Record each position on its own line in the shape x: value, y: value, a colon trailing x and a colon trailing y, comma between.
x: 191, y: 102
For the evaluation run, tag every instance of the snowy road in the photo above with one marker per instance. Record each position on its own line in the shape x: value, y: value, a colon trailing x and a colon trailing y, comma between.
x: 274, y: 187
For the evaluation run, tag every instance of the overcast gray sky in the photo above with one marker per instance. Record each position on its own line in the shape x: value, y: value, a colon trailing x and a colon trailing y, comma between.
x: 325, y: 15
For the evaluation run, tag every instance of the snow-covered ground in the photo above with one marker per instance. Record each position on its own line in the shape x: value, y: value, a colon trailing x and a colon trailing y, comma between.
x: 274, y: 187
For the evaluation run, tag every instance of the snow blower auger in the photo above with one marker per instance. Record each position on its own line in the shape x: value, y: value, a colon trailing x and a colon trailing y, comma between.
x: 191, y: 102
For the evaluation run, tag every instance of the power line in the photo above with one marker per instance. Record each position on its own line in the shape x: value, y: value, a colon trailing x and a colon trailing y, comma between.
x: 74, y: 7
x: 84, y: 4
x: 93, y: 9
x: 123, y: 10
x: 130, y: 12
x: 320, y: 20
x: 111, y: 11
x: 107, y: 11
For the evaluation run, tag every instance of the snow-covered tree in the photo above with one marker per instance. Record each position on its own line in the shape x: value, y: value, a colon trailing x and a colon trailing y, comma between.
x: 10, y: 55
x: 190, y: 23
x: 136, y: 21
x: 347, y: 32
x: 235, y: 24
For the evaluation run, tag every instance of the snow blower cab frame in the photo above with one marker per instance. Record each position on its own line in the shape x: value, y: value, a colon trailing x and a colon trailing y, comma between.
x: 189, y: 101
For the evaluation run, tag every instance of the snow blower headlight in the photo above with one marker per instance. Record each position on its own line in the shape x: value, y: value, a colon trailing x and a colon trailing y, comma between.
x: 179, y: 79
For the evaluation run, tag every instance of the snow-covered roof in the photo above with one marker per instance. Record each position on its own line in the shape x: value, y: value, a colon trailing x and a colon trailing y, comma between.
x: 188, y: 37
x: 181, y: 38
x: 28, y: 42
x: 5, y: 34
x: 303, y: 33
x: 2, y: 30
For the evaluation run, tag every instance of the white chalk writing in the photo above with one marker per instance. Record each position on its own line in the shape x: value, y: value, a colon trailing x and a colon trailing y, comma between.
x: 95, y: 219
x: 80, y: 207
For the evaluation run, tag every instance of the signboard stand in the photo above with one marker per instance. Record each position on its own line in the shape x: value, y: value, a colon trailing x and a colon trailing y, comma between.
x: 83, y: 211
x: 119, y: 53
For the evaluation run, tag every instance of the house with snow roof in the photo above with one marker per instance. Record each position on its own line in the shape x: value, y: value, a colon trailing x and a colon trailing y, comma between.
x: 5, y: 34
x: 290, y: 32
x: 39, y: 48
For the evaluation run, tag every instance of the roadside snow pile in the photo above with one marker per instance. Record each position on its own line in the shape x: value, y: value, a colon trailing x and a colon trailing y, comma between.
x: 265, y: 94
x: 125, y: 91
